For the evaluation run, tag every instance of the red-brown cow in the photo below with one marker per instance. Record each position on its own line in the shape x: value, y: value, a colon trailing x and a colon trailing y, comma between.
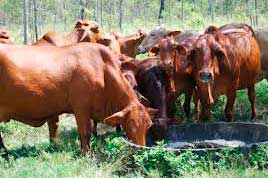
x: 84, y: 79
x: 173, y: 54
x: 84, y: 31
x: 129, y: 44
x: 225, y: 60
x: 4, y: 37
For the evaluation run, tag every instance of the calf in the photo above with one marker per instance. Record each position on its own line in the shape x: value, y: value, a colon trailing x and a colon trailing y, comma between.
x: 224, y: 60
x: 129, y: 44
x: 84, y: 79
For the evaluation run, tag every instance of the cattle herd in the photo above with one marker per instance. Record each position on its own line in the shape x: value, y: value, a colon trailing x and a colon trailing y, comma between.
x: 94, y: 74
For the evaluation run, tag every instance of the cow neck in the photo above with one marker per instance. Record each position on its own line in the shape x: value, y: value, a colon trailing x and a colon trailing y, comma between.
x: 119, y: 94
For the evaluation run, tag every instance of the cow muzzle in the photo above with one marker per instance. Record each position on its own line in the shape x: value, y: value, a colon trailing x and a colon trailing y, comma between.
x: 140, y: 49
x: 205, y: 76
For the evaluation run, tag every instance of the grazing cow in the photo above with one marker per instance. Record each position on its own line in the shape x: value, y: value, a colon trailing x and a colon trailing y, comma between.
x: 84, y: 31
x: 129, y: 44
x: 173, y: 54
x: 4, y: 37
x: 224, y: 60
x: 84, y: 79
x: 159, y: 33
x: 262, y: 39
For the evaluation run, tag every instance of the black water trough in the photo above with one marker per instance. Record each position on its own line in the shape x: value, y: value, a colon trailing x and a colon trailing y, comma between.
x: 212, y: 136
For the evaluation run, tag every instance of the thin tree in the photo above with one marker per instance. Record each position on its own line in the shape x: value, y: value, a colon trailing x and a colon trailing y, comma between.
x: 211, y: 8
x: 25, y: 21
x: 35, y: 20
x: 82, y: 11
x: 121, y: 13
x: 162, y: 7
x: 256, y: 13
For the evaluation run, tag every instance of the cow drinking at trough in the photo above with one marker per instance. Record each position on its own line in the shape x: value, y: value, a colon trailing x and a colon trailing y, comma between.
x: 83, y: 79
x: 224, y: 60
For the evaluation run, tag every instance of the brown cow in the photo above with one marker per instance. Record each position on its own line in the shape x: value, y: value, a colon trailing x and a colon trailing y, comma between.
x: 159, y: 33
x: 4, y: 37
x: 88, y: 83
x: 182, y: 82
x: 225, y: 60
x: 262, y: 38
x: 129, y: 44
x: 84, y: 31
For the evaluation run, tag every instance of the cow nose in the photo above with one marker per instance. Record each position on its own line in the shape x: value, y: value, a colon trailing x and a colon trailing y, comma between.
x: 205, y: 76
x: 139, y: 49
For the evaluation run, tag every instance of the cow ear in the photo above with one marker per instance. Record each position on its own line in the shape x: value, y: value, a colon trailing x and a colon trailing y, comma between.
x: 154, y: 51
x: 128, y: 65
x: 173, y: 33
x: 151, y: 111
x: 78, y: 24
x: 116, y: 118
x: 181, y: 50
x: 95, y: 29
x: 221, y: 57
x: 211, y: 30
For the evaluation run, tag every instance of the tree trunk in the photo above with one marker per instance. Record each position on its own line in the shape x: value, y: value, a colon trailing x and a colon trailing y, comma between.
x: 121, y: 13
x: 82, y: 11
x: 97, y: 11
x: 25, y: 22
x: 248, y: 12
x: 110, y: 13
x: 162, y: 7
x: 182, y: 11
x: 101, y: 11
x: 256, y: 13
x: 211, y: 8
x: 35, y: 20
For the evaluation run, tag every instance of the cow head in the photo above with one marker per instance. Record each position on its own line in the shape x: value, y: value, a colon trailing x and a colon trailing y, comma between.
x: 209, y: 59
x: 89, y: 31
x: 136, y: 38
x: 154, y: 37
x: 135, y: 121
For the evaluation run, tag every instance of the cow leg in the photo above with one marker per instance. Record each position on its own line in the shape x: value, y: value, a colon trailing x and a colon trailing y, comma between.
x: 2, y: 147
x: 171, y: 105
x: 187, y: 101
x: 84, y: 128
x: 94, y: 131
x: 252, y: 99
x: 53, y: 127
x: 196, y: 106
x: 229, y: 109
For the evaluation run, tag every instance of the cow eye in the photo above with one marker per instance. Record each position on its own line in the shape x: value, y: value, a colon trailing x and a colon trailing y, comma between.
x: 152, y: 34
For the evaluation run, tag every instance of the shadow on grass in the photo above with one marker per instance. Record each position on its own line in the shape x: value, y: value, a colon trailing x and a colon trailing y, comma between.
x: 69, y: 142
